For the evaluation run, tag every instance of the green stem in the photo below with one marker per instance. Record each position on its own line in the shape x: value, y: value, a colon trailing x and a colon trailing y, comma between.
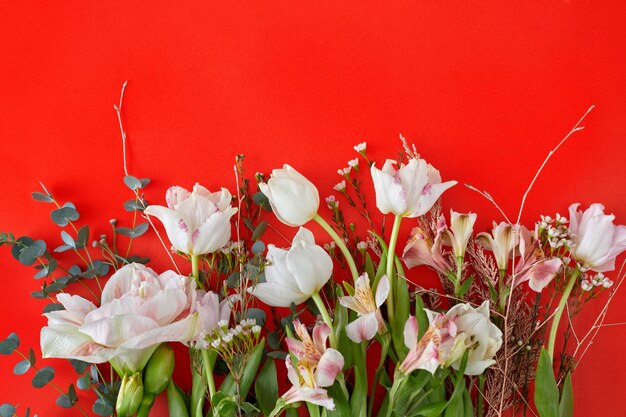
x: 391, y: 256
x: 459, y: 272
x: 326, y: 317
x: 208, y: 359
x: 340, y: 243
x: 195, y: 269
x: 559, y: 311
x: 146, y: 405
x: 398, y: 382
x: 481, y: 393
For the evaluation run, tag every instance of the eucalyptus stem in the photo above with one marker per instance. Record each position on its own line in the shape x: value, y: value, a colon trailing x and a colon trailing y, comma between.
x: 326, y: 317
x: 391, y: 256
x: 340, y: 243
x: 559, y: 311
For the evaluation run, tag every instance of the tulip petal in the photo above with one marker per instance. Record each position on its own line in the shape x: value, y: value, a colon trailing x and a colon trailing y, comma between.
x: 277, y: 295
x: 214, y: 233
x: 309, y: 264
x: 175, y: 227
x: 390, y: 196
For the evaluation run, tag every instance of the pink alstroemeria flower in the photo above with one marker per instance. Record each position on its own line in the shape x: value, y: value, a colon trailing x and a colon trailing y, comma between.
x: 370, y: 319
x: 597, y: 241
x: 196, y: 222
x: 533, y: 266
x: 139, y: 310
x: 317, y: 367
x: 433, y: 349
x: 422, y: 250
x: 409, y: 191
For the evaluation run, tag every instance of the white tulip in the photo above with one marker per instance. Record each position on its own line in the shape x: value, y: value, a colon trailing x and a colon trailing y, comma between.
x: 597, y: 241
x: 294, y: 199
x: 294, y: 275
x: 196, y: 222
x: 409, y: 191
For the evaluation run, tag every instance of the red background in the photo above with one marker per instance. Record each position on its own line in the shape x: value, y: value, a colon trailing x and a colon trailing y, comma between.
x: 483, y: 89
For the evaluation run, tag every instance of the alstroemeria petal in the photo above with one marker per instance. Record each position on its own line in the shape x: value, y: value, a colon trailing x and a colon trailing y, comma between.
x: 382, y: 291
x: 411, y: 332
x: 363, y: 328
x: 330, y: 365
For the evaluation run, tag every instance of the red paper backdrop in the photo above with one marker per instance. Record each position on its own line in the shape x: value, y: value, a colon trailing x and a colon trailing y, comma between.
x: 483, y: 89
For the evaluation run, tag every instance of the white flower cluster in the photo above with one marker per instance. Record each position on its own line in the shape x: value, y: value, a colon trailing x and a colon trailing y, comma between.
x: 599, y: 280
x: 555, y: 231
x: 232, y: 247
x: 340, y: 186
x: 361, y: 147
x: 230, y: 341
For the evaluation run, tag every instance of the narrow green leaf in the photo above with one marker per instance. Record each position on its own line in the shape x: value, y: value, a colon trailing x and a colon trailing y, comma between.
x: 266, y: 387
x: 566, y: 405
x: 45, y: 198
x: 259, y: 230
x: 546, y: 390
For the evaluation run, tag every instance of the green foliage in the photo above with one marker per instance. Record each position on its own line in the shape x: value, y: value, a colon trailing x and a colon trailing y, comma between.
x: 68, y: 400
x: 7, y: 410
x: 251, y: 366
x: 42, y: 377
x: 546, y: 390
x: 8, y: 345
x: 62, y: 216
x: 266, y: 387
x: 566, y: 405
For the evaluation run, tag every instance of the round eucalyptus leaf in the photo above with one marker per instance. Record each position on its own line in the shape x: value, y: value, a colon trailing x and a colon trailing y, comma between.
x: 7, y: 410
x: 21, y: 368
x: 64, y: 401
x: 101, y: 408
x: 42, y: 377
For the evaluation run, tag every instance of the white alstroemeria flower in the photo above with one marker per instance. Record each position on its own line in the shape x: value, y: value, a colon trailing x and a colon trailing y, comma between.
x: 370, y: 319
x: 409, y: 191
x: 196, y: 222
x: 139, y: 311
x: 501, y: 244
x: 460, y: 232
x: 597, y: 241
x: 294, y: 199
x: 295, y: 274
x: 482, y: 337
x: 317, y: 367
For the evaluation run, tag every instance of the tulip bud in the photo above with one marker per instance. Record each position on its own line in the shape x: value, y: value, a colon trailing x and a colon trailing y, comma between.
x: 294, y: 199
x: 130, y: 395
x: 159, y: 370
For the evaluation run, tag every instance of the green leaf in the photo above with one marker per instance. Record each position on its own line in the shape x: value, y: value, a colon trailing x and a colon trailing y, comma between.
x: 420, y: 316
x: 7, y: 410
x: 42, y: 197
x: 79, y: 366
x: 249, y: 372
x: 62, y: 216
x: 53, y: 307
x: 67, y: 239
x: 257, y: 314
x: 466, y: 286
x: 432, y: 410
x: 101, y: 408
x: 21, y: 367
x: 266, y: 387
x: 8, y: 345
x: 223, y: 405
x: 259, y: 230
x: 546, y: 390
x: 64, y: 401
x: 261, y: 200
x: 258, y: 247
x: 132, y: 182
x: 82, y: 237
x: 342, y: 407
x: 566, y: 405
x: 43, y: 376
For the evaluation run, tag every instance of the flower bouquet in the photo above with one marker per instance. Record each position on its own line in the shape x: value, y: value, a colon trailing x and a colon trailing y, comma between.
x: 343, y: 328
